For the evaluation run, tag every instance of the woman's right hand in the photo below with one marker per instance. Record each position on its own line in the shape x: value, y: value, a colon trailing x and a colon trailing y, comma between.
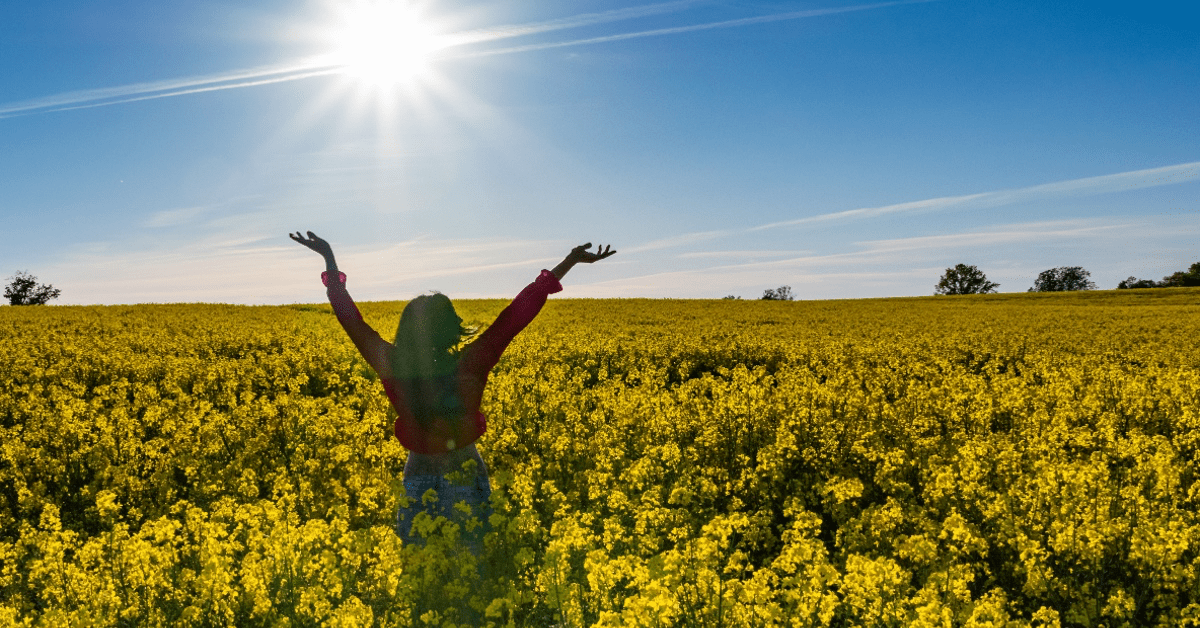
x: 313, y: 242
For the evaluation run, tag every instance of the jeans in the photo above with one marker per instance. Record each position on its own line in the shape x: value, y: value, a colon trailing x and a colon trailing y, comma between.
x: 475, y: 494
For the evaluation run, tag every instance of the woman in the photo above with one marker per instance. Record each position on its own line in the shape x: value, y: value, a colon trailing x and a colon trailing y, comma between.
x: 437, y: 391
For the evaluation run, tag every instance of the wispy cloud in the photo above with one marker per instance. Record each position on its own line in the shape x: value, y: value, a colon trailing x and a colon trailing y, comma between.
x: 309, y: 68
x: 191, y: 215
x: 910, y: 266
x: 253, y: 266
x: 1008, y: 234
x: 740, y: 254
x: 674, y: 241
x: 176, y: 217
x: 422, y: 259
x: 322, y: 66
x: 929, y: 204
x: 586, y: 19
x: 1121, y: 181
x: 237, y: 266
x: 879, y: 251
x: 674, y: 30
x: 873, y: 251
x: 166, y: 88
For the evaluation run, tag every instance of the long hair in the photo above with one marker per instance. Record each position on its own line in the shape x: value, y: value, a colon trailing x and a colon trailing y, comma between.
x: 424, y: 356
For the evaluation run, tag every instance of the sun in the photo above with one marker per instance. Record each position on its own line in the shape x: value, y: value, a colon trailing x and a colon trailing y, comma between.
x: 382, y: 43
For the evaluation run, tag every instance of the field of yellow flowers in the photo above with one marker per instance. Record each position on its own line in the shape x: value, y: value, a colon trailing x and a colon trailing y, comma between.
x: 992, y: 460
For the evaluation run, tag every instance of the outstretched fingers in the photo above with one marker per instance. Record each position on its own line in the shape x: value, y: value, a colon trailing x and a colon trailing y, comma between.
x: 588, y: 257
x: 313, y: 242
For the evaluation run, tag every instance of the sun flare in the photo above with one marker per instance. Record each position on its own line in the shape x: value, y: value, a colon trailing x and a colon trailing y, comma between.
x: 383, y: 42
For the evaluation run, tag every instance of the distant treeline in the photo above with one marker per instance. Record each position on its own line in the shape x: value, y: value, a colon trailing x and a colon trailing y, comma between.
x: 1190, y: 277
x: 967, y: 279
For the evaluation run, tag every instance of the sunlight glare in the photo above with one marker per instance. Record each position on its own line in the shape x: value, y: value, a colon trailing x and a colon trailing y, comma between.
x: 383, y: 42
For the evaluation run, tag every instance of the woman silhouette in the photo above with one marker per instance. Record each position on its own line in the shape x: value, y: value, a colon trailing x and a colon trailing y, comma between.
x: 436, y: 390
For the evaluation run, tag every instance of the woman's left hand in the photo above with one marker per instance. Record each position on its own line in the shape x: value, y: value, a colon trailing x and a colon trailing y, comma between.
x: 582, y: 255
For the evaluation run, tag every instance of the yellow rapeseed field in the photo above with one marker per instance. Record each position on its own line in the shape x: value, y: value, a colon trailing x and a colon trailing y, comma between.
x: 992, y: 460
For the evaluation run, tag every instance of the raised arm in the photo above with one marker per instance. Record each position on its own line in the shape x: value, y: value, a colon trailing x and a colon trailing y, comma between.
x: 372, y: 347
x: 484, y: 352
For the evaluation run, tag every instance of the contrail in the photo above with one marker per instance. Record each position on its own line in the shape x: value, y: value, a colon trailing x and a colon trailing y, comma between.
x: 322, y: 66
x: 586, y: 19
x: 162, y: 89
x: 126, y: 90
x: 1103, y: 184
x: 1132, y: 180
x: 86, y: 99
x: 762, y: 19
x: 198, y: 90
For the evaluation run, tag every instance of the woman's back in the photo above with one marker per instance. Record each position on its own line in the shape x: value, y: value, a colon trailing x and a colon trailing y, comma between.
x: 437, y: 394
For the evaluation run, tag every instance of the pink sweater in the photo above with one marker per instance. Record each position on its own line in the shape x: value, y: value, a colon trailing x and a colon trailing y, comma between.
x: 475, y: 362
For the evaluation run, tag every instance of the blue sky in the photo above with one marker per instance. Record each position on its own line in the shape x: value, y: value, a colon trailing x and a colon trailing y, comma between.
x: 160, y: 152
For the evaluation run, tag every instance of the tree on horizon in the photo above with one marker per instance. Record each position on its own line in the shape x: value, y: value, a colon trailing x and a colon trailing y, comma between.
x: 23, y: 289
x: 1063, y: 279
x: 782, y: 293
x: 964, y: 279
